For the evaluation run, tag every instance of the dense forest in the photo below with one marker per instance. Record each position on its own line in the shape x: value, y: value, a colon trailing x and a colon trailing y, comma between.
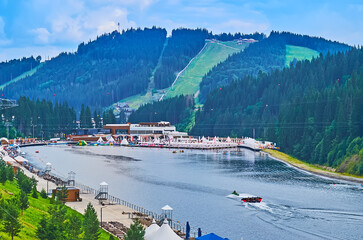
x: 266, y: 55
x: 175, y: 110
x: 12, y: 69
x: 182, y: 46
x: 313, y: 110
x: 43, y: 117
x: 101, y: 72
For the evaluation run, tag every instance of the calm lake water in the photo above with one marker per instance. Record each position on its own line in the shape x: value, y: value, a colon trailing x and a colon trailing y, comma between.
x: 295, y: 205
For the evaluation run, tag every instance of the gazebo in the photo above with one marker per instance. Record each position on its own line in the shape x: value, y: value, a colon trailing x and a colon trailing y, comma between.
x: 167, y: 212
x: 163, y: 233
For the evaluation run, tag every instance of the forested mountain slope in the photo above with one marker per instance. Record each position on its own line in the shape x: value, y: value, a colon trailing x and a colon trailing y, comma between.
x: 266, y: 55
x: 101, y: 72
x: 312, y: 110
x: 14, y: 68
x: 183, y: 45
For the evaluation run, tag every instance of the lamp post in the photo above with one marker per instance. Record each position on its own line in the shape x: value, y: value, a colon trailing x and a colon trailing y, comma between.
x: 48, y: 168
x: 101, y: 215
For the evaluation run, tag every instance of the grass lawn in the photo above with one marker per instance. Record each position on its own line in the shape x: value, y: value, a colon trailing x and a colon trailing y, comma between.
x: 321, y: 170
x: 31, y: 216
x: 213, y: 53
x: 300, y: 53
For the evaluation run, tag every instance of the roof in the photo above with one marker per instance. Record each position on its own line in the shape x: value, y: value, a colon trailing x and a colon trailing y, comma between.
x: 152, y: 228
x: 211, y: 236
x: 167, y: 208
x: 164, y: 233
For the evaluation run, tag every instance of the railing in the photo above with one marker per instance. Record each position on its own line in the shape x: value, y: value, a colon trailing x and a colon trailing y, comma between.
x: 173, y: 224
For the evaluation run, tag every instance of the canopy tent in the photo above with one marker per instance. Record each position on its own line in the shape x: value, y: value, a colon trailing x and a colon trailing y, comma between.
x: 163, y: 233
x: 124, y: 142
x: 204, y: 139
x: 4, y: 141
x: 81, y: 143
x: 100, y: 140
x: 156, y: 140
x: 228, y: 139
x: 111, y: 140
x: 152, y: 228
x: 211, y: 236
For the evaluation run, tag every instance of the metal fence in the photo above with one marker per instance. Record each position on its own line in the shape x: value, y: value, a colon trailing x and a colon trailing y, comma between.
x: 173, y: 224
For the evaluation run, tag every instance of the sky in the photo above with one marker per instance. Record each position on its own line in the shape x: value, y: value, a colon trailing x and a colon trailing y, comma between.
x: 48, y: 27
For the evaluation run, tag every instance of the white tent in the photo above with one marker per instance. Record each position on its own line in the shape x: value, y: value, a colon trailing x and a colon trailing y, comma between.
x: 124, y: 142
x: 163, y: 233
x: 4, y: 141
x: 152, y: 228
x: 228, y: 139
x: 111, y: 140
x: 100, y: 140
x: 204, y: 139
x: 157, y: 140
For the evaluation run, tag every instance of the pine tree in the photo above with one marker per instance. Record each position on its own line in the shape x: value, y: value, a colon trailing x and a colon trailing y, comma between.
x: 11, y: 222
x: 43, y: 194
x: 136, y: 231
x: 74, y: 226
x: 23, y: 200
x: 91, y: 225
x: 34, y: 192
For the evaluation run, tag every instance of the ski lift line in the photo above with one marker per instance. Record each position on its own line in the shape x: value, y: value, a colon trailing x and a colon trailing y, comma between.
x: 10, y: 215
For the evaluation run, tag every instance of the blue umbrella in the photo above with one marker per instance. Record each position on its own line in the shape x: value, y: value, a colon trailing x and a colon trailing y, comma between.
x: 187, y: 232
x: 199, y: 232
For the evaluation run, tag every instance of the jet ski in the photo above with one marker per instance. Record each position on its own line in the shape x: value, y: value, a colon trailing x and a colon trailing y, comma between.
x: 244, y: 197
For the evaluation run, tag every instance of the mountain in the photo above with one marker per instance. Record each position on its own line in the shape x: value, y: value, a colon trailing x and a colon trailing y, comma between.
x: 14, y: 68
x: 267, y: 55
x: 99, y: 73
x: 312, y: 110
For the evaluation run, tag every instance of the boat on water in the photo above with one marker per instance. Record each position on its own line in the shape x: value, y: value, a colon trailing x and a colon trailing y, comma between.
x: 245, y: 197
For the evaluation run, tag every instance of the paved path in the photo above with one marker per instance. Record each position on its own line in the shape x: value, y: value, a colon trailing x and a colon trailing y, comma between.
x: 109, y: 212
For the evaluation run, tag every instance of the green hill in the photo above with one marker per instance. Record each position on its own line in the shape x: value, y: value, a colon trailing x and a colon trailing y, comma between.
x: 31, y: 216
x: 22, y: 76
x: 213, y: 53
x: 298, y: 53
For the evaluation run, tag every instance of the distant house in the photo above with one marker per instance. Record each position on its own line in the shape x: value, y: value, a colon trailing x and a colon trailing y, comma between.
x: 245, y: 40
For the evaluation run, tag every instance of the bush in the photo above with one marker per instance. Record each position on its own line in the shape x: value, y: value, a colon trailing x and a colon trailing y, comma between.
x: 43, y: 194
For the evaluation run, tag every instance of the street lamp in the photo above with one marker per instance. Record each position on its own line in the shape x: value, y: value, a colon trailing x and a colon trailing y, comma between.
x: 101, y: 214
x: 48, y: 168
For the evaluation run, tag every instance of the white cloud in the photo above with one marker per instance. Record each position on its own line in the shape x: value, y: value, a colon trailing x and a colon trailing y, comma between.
x: 42, y: 35
x: 3, y: 39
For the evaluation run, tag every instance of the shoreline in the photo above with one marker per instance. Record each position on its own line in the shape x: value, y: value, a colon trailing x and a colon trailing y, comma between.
x: 283, y: 157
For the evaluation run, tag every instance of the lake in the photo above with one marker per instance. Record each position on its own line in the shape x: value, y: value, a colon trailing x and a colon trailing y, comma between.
x: 295, y: 205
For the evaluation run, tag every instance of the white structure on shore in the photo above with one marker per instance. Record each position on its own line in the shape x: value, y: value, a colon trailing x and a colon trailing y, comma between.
x: 163, y: 233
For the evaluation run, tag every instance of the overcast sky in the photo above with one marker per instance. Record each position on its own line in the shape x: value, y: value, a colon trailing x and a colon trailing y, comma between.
x: 48, y: 27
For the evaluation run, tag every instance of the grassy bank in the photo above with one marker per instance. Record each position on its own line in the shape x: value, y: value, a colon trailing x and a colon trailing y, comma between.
x: 321, y: 170
x: 31, y: 216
